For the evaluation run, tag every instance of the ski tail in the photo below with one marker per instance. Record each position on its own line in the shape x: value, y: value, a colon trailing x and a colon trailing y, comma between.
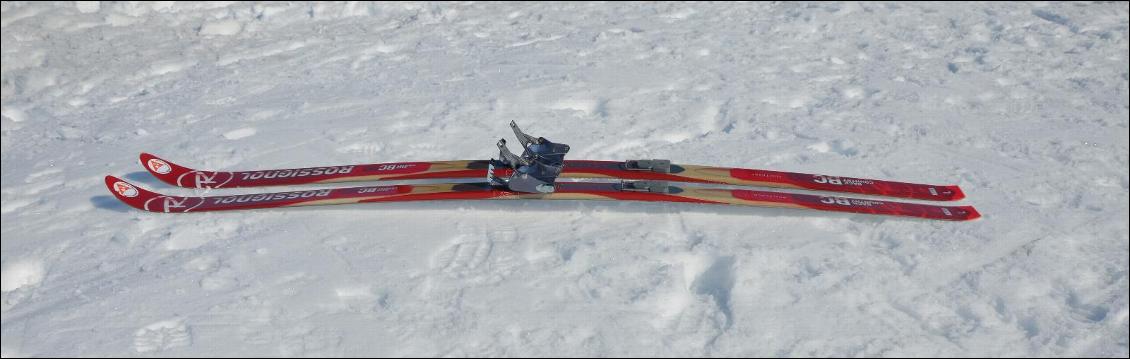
x: 856, y: 205
x: 957, y: 193
x: 855, y: 185
x: 663, y: 170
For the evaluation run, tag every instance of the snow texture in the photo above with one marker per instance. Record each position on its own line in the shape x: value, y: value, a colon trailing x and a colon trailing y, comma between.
x: 1024, y: 105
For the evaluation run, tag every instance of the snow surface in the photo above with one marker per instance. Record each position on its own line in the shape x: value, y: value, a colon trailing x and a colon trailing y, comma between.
x: 1024, y: 105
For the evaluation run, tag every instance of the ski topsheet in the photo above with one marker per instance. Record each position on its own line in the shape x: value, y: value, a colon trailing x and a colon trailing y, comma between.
x: 652, y: 170
x: 649, y: 191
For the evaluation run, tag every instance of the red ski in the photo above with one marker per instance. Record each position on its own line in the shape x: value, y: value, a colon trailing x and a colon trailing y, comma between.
x: 651, y: 170
x: 648, y: 191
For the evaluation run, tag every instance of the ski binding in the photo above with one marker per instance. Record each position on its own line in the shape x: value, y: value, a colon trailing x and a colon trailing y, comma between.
x: 536, y: 170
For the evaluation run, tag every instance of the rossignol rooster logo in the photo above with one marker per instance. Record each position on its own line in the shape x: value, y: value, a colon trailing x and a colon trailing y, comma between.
x: 125, y: 189
x: 159, y: 166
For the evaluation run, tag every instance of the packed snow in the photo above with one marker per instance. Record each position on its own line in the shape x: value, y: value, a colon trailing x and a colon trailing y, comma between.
x: 1025, y: 105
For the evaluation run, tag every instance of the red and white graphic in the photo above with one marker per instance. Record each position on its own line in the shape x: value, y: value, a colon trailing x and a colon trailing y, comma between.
x: 156, y: 202
x: 125, y: 189
x: 572, y: 169
x: 159, y: 166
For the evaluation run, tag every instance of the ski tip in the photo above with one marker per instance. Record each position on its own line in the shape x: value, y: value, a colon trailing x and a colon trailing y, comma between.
x: 164, y: 170
x: 128, y: 193
x: 146, y: 156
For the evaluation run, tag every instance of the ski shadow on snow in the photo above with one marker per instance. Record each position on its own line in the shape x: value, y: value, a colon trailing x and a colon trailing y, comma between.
x: 110, y: 203
x: 147, y: 179
x: 506, y: 210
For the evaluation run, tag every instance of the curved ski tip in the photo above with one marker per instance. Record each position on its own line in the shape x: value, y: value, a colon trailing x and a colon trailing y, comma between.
x: 145, y: 156
x: 164, y: 170
x: 154, y: 163
x: 128, y: 193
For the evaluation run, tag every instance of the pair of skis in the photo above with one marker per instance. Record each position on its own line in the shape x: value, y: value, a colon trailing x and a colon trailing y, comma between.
x: 532, y: 175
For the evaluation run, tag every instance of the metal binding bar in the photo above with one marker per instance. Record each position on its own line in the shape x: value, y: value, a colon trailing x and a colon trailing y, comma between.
x: 510, y: 158
x: 645, y: 186
x: 525, y: 139
x: 660, y: 166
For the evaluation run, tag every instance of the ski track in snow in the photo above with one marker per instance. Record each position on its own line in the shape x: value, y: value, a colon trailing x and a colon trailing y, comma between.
x: 1025, y: 105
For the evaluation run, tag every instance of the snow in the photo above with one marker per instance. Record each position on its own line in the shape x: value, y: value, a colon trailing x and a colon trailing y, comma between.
x: 87, y: 7
x: 240, y: 133
x: 1025, y: 105
x: 222, y: 27
x: 19, y: 274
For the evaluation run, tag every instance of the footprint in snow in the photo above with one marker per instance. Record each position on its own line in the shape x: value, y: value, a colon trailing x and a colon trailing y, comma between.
x: 162, y: 336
